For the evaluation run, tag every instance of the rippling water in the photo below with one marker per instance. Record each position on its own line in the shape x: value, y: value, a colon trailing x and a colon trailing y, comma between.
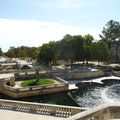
x: 95, y: 96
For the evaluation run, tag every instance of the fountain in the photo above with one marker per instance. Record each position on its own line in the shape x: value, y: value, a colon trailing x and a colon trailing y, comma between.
x: 95, y: 95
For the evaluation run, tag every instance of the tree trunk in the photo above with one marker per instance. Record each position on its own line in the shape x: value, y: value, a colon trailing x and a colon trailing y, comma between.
x: 71, y: 62
x: 116, y: 53
x: 98, y: 62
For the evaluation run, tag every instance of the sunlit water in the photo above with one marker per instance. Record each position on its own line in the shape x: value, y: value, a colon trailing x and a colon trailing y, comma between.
x: 91, y: 97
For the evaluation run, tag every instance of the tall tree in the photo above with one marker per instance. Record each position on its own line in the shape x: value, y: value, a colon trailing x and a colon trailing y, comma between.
x: 11, y: 53
x: 65, y: 49
x: 100, y: 51
x: 78, y: 47
x: 71, y: 48
x: 46, y: 54
x: 88, y: 39
x: 111, y: 32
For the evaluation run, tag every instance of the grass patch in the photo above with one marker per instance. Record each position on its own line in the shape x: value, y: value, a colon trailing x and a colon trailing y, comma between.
x: 34, y: 82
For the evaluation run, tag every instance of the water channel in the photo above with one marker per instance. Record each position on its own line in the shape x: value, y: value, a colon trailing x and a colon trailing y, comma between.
x: 58, y: 99
x: 86, y: 96
x: 92, y: 94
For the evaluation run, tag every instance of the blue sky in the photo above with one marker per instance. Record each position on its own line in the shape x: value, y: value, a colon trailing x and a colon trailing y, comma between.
x: 33, y: 22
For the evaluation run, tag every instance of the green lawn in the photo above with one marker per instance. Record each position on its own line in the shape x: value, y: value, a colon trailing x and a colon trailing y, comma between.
x: 34, y: 82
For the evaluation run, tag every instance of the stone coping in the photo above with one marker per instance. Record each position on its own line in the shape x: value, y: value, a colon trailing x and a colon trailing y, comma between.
x: 93, y: 110
x: 31, y: 103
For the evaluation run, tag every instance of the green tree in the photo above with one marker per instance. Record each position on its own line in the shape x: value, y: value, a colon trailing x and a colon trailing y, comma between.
x: 100, y: 51
x: 46, y: 54
x: 87, y: 53
x: 65, y: 49
x: 111, y: 32
x: 78, y: 47
x: 71, y: 48
x: 111, y: 35
x: 88, y: 39
x: 21, y: 52
x: 11, y: 53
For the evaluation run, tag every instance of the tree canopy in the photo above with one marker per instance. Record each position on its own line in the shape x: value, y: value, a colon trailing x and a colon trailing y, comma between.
x: 111, y: 31
x: 46, y: 53
x: 73, y: 48
x: 100, y: 51
x: 21, y: 52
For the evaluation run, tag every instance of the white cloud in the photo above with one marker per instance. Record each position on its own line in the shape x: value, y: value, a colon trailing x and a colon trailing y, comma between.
x: 35, y: 33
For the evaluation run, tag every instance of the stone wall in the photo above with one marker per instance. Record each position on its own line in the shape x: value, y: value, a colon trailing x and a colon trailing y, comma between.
x: 31, y: 75
x: 32, y: 91
x: 85, y: 75
x: 35, y: 90
x: 116, y: 73
x: 7, y: 81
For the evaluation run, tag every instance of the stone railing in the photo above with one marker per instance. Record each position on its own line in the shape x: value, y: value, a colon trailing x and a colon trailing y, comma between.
x: 103, y: 112
x: 38, y: 108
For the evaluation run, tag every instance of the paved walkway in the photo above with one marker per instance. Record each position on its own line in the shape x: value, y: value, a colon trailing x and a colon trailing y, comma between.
x: 14, y: 115
x: 6, y: 75
x: 72, y: 87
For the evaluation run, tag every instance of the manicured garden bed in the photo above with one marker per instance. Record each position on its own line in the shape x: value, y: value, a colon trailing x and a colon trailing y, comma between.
x: 34, y: 82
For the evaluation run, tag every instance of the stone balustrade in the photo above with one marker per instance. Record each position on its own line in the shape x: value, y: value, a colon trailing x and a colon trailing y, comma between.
x: 103, y: 112
x: 38, y: 108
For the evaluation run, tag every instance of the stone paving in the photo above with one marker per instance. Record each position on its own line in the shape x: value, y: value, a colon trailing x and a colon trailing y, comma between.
x: 6, y: 75
x: 15, y: 115
x: 72, y: 87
